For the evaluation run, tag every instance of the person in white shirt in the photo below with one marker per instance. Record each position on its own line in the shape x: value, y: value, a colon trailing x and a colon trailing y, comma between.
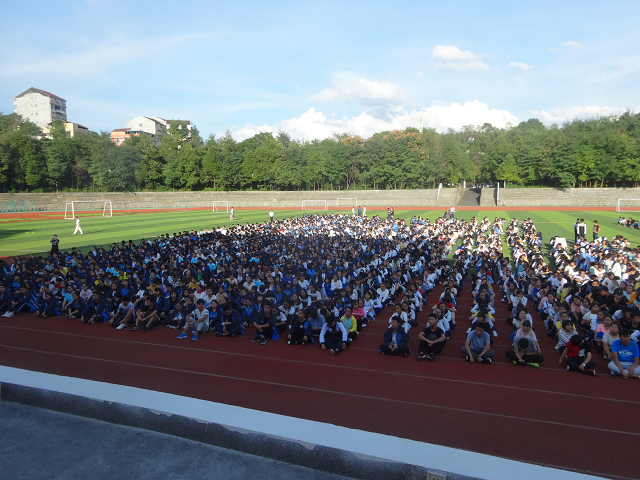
x: 78, y: 229
x: 384, y: 295
x: 198, y: 321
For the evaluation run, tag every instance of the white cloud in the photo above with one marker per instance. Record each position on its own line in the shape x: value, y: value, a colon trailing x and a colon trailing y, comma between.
x: 572, y: 44
x: 315, y: 124
x: 419, y: 74
x: 561, y: 115
x: 554, y: 49
x: 456, y: 59
x: 349, y: 88
x: 521, y: 66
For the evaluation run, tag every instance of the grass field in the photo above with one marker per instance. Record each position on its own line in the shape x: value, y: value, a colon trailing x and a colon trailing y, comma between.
x: 26, y: 237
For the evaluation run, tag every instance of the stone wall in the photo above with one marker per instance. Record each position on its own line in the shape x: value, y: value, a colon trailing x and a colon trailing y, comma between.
x: 567, y: 197
x: 281, y: 199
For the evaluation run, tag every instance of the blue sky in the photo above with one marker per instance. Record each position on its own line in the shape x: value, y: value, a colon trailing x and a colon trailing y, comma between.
x: 313, y: 68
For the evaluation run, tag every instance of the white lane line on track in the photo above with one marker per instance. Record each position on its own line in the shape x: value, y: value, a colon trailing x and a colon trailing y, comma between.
x: 321, y: 390
x: 344, y: 367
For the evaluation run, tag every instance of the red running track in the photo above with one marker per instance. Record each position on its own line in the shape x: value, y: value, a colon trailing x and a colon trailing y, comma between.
x: 545, y: 416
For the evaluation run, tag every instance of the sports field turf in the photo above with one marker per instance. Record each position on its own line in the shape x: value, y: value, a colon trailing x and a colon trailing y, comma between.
x: 32, y: 236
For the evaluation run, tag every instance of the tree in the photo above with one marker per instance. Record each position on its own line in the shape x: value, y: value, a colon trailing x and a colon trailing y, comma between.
x: 115, y: 170
x: 508, y: 170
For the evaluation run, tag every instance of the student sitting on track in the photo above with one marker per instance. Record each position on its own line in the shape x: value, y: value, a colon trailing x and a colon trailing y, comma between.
x: 23, y: 301
x: 145, y: 316
x: 402, y: 317
x: 67, y: 298
x: 316, y: 321
x: 432, y: 339
x: 231, y: 324
x: 350, y: 324
x: 48, y: 307
x: 564, y: 334
x: 358, y: 313
x: 525, y: 353
x: 384, y: 295
x: 333, y: 336
x: 485, y: 322
x: 96, y: 311
x: 477, y: 347
x: 301, y: 331
x: 197, y: 321
x: 124, y: 314
x: 577, y: 356
x: 264, y: 323
x: 5, y: 297
x: 626, y: 357
x: 395, y: 340
x: 76, y: 308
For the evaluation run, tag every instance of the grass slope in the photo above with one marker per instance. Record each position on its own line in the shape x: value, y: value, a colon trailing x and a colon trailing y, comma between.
x: 25, y: 237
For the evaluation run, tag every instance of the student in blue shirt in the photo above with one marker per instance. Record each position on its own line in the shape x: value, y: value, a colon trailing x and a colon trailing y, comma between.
x: 48, y: 307
x: 626, y: 356
x: 5, y: 297
x: 22, y: 301
x: 477, y: 347
x: 395, y: 340
x: 76, y: 308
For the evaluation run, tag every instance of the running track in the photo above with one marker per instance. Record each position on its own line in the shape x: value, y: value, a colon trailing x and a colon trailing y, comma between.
x: 545, y: 416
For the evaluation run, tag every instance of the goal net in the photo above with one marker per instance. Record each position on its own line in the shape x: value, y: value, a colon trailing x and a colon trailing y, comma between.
x: 347, y: 202
x: 314, y: 204
x: 88, y: 208
x: 628, y: 205
x: 220, y: 206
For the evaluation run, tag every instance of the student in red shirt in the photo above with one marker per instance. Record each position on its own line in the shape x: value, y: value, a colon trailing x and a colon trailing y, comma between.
x: 577, y: 356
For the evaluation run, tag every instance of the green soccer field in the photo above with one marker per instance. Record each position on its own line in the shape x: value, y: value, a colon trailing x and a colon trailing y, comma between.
x: 26, y: 237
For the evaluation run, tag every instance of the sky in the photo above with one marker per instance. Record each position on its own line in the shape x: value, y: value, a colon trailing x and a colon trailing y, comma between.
x: 317, y: 68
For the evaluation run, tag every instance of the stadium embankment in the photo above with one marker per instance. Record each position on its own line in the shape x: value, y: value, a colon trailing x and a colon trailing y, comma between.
x: 564, y: 197
x: 509, y: 197
x: 274, y: 199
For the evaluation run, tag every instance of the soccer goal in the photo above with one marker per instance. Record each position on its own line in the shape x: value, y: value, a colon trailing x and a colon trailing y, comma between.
x: 314, y: 204
x: 347, y: 202
x: 628, y: 205
x: 220, y: 206
x: 88, y: 207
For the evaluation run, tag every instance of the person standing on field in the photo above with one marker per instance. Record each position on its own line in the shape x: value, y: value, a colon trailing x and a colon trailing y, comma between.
x: 54, y: 244
x: 233, y: 214
x: 271, y: 216
x: 78, y: 229
x: 596, y: 230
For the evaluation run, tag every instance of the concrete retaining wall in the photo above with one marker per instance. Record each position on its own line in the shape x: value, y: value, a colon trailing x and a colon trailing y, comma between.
x: 509, y: 197
x: 377, y: 198
x: 567, y: 197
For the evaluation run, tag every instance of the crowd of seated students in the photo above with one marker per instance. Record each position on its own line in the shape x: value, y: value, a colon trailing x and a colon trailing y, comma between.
x: 321, y: 279
x: 629, y: 222
x: 587, y: 303
x: 316, y: 279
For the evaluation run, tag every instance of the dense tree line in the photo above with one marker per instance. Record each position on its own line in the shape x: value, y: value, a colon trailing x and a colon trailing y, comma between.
x: 598, y: 152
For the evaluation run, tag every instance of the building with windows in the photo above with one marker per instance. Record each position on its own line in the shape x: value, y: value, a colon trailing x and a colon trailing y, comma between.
x: 119, y: 135
x: 156, y: 127
x: 73, y: 129
x: 167, y: 123
x: 40, y: 107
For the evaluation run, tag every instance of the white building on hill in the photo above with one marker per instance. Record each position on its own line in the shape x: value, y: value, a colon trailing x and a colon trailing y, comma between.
x: 40, y: 107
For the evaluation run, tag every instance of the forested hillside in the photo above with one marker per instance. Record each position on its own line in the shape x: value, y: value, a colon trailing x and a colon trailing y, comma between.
x: 592, y: 152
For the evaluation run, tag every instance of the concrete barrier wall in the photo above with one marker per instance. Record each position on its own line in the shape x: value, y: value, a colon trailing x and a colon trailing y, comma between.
x: 292, y: 199
x: 509, y: 197
x: 567, y: 197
